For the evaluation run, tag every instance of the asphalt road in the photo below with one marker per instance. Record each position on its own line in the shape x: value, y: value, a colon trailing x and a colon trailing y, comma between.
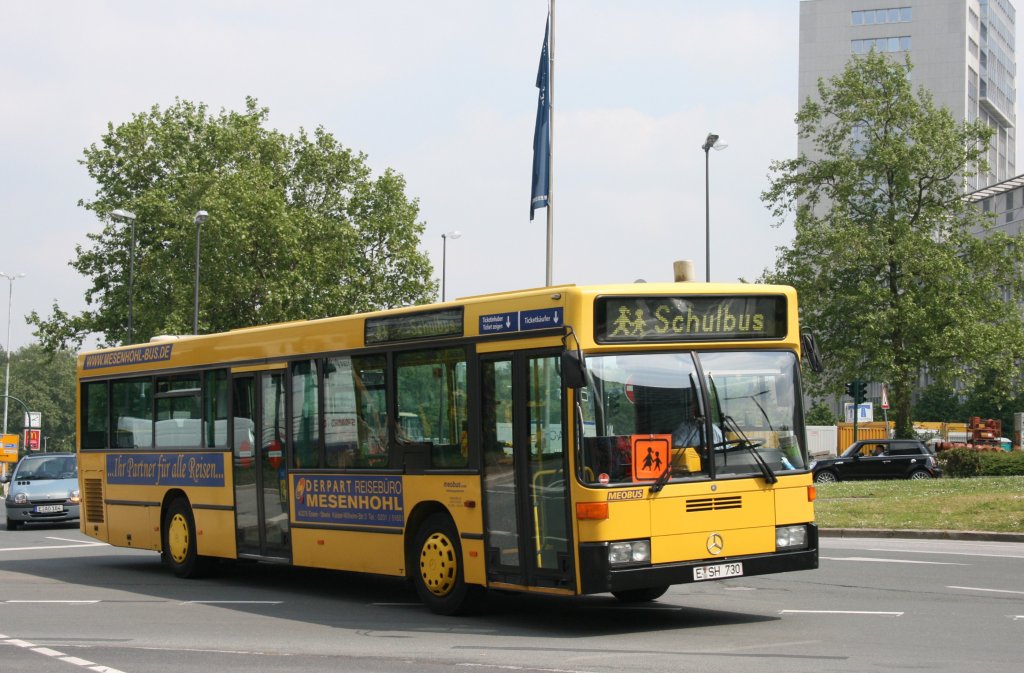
x: 70, y: 604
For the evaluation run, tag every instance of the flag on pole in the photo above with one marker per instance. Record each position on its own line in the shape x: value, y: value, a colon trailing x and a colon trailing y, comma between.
x: 541, y: 132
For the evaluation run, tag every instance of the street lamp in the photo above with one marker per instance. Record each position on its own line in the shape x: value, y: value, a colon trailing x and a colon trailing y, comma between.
x: 711, y: 141
x: 126, y: 216
x: 11, y: 277
x: 444, y: 253
x: 201, y: 216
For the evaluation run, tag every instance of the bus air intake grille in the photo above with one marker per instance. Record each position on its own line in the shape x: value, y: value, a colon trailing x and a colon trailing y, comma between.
x: 714, y: 503
x: 94, y: 500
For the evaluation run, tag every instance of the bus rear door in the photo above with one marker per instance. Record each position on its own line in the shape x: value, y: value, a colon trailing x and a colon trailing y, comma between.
x: 260, y: 465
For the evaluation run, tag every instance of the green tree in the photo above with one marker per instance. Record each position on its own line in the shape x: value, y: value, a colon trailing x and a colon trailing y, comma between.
x: 820, y: 414
x: 939, y: 403
x: 298, y: 229
x: 892, y: 280
x: 45, y: 382
x: 985, y: 400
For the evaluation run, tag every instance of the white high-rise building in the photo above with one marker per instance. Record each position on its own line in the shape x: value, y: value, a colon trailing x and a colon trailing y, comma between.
x: 963, y: 51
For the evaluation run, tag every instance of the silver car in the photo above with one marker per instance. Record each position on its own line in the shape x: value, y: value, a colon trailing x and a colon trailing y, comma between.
x: 43, y: 489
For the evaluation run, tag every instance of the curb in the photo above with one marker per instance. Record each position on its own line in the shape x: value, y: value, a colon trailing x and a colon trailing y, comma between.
x: 921, y: 534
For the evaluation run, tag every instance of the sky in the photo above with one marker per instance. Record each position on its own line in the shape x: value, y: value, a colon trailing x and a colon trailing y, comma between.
x: 443, y: 92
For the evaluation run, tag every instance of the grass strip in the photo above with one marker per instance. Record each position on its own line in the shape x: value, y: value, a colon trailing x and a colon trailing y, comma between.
x: 993, y: 504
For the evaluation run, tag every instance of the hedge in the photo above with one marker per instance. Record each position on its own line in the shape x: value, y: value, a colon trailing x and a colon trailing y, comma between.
x: 970, y: 463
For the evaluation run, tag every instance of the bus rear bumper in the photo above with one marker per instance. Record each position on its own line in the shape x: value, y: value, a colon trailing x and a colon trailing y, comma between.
x: 597, y: 576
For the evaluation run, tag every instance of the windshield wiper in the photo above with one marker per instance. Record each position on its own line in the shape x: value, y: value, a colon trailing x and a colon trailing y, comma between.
x: 729, y: 423
x: 743, y: 441
x: 663, y: 478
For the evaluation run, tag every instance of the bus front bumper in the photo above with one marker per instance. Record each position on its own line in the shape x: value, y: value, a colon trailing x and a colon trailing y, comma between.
x: 598, y: 576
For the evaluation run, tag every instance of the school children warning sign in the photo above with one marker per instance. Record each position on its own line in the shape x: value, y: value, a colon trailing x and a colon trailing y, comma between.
x: 651, y: 455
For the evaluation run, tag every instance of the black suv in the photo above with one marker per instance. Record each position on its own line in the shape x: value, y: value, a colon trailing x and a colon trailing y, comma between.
x: 879, y: 459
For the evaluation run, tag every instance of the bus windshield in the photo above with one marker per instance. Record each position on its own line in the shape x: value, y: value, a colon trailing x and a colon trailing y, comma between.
x: 746, y: 405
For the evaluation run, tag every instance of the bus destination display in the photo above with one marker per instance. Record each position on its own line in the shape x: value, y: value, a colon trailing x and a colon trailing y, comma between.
x: 689, y: 318
x: 411, y: 326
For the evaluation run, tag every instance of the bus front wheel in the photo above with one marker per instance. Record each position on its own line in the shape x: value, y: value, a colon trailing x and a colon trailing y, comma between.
x: 640, y: 595
x: 437, y: 569
x: 180, y: 549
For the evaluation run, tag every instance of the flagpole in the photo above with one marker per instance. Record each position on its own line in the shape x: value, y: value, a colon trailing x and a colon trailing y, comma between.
x: 551, y: 149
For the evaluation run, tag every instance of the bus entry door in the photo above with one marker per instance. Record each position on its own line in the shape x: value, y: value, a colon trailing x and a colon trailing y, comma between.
x: 260, y: 466
x: 526, y: 493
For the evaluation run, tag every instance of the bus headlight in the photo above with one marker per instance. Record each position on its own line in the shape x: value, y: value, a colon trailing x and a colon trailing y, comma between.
x: 634, y: 551
x: 791, y: 537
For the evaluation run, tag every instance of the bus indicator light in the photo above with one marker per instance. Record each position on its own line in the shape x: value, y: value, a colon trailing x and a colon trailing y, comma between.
x: 592, y: 510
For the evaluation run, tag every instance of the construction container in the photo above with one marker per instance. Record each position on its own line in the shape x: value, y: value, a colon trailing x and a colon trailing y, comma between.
x: 822, y: 440
x: 871, y: 430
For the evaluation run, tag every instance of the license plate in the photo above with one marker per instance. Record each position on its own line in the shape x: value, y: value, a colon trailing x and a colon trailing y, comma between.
x: 717, y: 572
x: 42, y: 509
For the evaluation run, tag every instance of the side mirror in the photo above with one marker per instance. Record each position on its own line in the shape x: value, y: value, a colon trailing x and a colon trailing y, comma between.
x: 6, y: 479
x: 811, y: 353
x: 573, y: 369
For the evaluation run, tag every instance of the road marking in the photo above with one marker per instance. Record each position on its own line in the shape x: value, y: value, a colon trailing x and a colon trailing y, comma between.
x: 47, y: 652
x: 996, y: 591
x: 891, y: 560
x: 948, y: 553
x: 65, y: 602
x: 501, y: 667
x: 232, y: 602
x: 93, y: 602
x: 80, y: 545
x: 840, y: 612
x: 96, y: 543
x: 76, y: 661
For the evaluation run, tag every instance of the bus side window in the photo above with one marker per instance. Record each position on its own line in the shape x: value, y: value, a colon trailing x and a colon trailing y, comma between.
x: 355, y: 434
x: 305, y: 415
x: 131, y: 402
x: 431, y: 389
x: 95, y: 415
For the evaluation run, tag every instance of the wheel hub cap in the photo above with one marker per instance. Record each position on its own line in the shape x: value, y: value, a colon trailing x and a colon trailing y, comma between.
x: 438, y: 566
x: 177, y: 538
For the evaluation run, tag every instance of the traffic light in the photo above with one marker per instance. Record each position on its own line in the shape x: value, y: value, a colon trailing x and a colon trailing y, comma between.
x: 849, y: 389
x: 862, y: 392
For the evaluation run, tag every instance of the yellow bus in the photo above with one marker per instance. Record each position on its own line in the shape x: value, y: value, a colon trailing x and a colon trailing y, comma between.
x: 564, y: 440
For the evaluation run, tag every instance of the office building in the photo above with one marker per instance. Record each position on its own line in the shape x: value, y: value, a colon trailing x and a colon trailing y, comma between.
x: 963, y: 51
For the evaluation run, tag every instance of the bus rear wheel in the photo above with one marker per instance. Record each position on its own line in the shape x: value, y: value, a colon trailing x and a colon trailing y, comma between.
x: 180, y: 550
x: 437, y: 568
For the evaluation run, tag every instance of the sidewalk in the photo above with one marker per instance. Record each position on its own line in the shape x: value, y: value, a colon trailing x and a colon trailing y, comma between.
x: 922, y: 534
